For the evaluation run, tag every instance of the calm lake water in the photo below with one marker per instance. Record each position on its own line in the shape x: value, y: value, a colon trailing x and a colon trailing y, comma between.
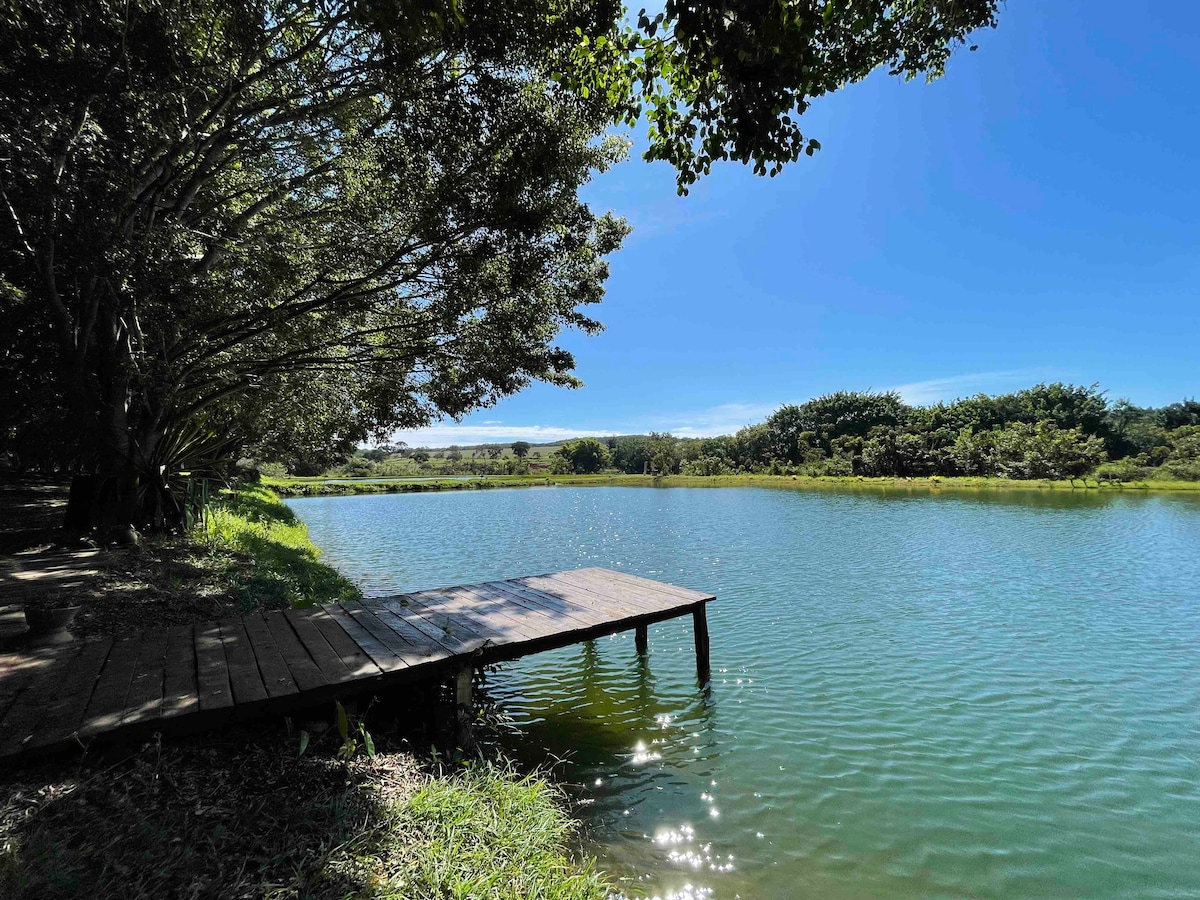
x: 963, y: 695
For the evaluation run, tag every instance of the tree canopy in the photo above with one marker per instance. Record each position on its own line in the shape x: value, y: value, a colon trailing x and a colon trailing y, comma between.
x: 294, y: 226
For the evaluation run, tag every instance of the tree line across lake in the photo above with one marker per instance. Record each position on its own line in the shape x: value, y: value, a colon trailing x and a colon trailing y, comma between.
x: 1050, y: 431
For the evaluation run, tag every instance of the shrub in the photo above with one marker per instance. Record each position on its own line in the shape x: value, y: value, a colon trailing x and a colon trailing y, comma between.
x: 705, y: 466
x: 1127, y: 469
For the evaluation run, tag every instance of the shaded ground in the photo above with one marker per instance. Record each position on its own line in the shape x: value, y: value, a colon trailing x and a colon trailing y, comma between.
x: 30, y: 509
x: 254, y: 555
x: 163, y: 582
x: 243, y: 814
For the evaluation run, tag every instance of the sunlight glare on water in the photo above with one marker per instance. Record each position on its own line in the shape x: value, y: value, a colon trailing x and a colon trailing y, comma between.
x: 962, y: 694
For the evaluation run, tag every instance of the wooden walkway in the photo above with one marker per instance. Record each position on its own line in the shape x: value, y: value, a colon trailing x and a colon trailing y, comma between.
x: 174, y: 680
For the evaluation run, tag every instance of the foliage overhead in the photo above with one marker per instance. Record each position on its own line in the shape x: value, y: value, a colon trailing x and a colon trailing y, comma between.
x: 314, y: 223
x: 730, y: 79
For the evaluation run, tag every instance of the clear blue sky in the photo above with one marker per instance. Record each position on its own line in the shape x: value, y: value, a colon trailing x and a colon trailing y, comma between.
x: 1033, y: 216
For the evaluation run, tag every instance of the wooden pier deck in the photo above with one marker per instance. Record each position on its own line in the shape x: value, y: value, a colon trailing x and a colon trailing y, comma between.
x: 188, y: 678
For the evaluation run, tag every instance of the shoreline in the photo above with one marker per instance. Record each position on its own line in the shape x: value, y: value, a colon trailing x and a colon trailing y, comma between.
x: 333, y: 487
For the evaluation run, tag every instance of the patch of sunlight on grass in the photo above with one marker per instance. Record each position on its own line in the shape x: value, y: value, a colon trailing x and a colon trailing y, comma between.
x: 483, y: 833
x: 287, y: 565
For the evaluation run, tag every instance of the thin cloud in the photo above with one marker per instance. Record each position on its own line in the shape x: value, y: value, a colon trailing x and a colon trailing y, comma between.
x: 717, y: 420
x: 935, y: 390
x: 447, y: 434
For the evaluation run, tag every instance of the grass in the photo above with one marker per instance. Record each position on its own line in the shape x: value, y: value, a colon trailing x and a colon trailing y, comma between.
x: 483, y: 832
x: 243, y: 815
x: 311, y: 487
x: 286, y: 566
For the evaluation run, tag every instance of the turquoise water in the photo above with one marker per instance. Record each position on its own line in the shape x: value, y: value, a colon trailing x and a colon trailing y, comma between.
x: 964, y: 696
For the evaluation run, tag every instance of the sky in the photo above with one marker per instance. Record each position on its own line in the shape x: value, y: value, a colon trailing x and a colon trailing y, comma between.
x: 1032, y: 216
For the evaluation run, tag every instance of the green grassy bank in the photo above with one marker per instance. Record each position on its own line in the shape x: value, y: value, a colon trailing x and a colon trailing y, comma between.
x: 286, y: 567
x: 245, y: 812
x: 319, y: 487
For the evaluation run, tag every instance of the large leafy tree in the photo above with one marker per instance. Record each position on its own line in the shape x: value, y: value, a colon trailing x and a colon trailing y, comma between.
x: 284, y: 223
x: 796, y: 429
x: 291, y: 222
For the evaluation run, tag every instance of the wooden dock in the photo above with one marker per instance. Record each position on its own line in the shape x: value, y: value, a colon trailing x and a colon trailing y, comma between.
x: 188, y: 678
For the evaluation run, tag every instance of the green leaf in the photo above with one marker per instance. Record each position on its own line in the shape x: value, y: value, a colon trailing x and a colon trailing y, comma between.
x: 343, y: 723
x: 304, y: 738
x: 368, y: 742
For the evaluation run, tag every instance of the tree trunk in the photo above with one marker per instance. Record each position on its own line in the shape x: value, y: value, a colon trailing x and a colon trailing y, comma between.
x: 104, y: 501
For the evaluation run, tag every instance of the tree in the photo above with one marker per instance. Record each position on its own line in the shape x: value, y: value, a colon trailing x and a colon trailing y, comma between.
x: 797, y: 430
x: 215, y: 211
x: 585, y: 456
x: 896, y: 452
x: 216, y: 208
x: 1179, y: 415
x: 1021, y: 450
x: 631, y: 455
x: 1066, y: 405
x: 663, y: 453
x: 1183, y: 453
x: 520, y: 449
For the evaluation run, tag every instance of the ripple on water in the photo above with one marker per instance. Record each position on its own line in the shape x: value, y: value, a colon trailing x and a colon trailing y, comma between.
x: 966, y: 696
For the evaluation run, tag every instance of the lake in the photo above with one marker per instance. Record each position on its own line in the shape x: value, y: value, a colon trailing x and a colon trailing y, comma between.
x: 960, y: 695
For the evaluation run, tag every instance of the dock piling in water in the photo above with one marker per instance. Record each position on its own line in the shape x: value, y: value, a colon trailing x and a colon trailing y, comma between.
x: 700, y: 628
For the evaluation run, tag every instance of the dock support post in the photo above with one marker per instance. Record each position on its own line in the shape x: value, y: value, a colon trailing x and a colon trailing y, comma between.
x: 462, y: 709
x: 641, y: 639
x: 700, y: 628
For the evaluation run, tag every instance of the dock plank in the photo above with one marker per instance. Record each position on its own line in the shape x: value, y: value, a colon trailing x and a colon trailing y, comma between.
x: 424, y: 645
x: 687, y: 595
x: 584, y: 594
x: 484, y: 612
x: 276, y: 677
x: 372, y: 646
x: 244, y: 677
x: 459, y: 617
x: 212, y: 669
x: 597, y: 591
x: 306, y: 665
x: 584, y: 615
x: 429, y: 617
x: 16, y: 671
x: 408, y: 619
x: 336, y: 653
x: 390, y: 638
x: 537, y: 623
x: 107, y: 704
x: 64, y: 716
x: 145, y: 697
x: 181, y: 691
x: 29, y: 710
x: 357, y: 661
x: 197, y: 676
